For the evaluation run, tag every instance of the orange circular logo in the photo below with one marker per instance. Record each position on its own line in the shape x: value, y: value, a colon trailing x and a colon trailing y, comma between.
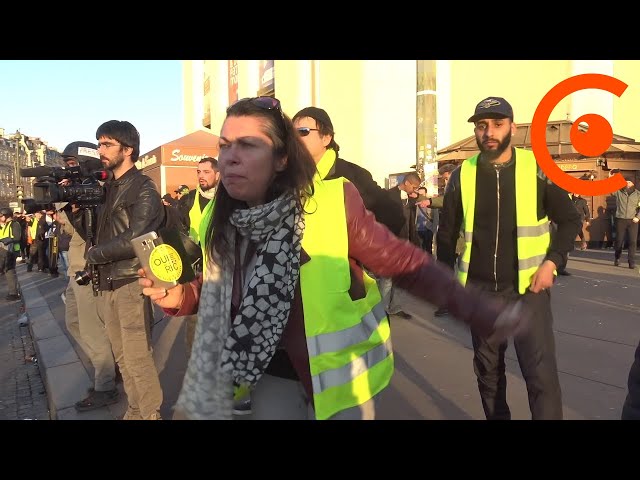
x: 592, y: 143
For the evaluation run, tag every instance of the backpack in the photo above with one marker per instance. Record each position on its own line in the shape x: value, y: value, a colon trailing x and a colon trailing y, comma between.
x: 172, y: 219
x: 64, y: 241
x: 172, y: 229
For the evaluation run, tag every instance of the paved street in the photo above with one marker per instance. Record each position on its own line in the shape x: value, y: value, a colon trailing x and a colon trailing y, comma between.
x: 68, y: 369
x: 597, y: 326
x: 22, y: 392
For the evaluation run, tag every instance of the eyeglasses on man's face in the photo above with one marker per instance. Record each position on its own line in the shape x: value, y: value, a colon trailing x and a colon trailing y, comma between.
x: 304, y: 131
x: 108, y: 145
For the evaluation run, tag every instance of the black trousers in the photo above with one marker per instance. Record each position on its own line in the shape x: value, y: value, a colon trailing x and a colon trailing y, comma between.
x: 536, y: 354
x: 624, y: 226
x: 42, y: 254
x: 9, y: 268
x: 631, y: 407
x: 426, y: 237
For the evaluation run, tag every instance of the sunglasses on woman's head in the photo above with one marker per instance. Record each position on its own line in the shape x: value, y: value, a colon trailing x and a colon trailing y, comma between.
x: 304, y: 131
x: 266, y: 103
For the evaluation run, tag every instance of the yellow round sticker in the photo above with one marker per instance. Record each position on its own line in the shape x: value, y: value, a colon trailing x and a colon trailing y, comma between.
x: 165, y: 263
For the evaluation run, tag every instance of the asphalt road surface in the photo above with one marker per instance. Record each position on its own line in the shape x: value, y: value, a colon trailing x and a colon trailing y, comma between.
x: 597, y: 328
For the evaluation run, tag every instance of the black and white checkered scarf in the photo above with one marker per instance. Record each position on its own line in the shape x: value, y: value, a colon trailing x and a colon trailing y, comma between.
x: 237, y: 352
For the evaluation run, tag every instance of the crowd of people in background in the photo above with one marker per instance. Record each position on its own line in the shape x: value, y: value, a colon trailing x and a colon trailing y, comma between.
x: 260, y: 214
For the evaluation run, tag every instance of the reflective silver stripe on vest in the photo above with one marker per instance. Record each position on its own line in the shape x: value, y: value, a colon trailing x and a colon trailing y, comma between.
x: 531, y: 232
x: 462, y: 265
x: 468, y: 236
x: 534, y: 231
x: 346, y: 374
x: 535, y: 261
x: 337, y: 341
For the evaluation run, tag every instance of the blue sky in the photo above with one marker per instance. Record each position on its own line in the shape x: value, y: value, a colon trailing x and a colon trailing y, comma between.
x: 62, y: 101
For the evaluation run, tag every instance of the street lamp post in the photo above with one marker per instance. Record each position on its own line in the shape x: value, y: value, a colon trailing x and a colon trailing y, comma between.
x: 18, y: 193
x: 18, y: 137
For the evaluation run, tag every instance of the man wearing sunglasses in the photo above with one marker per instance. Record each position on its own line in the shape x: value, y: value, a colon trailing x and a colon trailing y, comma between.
x: 316, y: 129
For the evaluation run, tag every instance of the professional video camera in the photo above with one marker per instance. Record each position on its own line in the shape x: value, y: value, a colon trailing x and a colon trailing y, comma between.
x: 82, y: 186
x: 78, y: 185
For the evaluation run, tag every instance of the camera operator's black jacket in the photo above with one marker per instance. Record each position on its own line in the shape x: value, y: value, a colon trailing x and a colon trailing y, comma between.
x: 124, y: 214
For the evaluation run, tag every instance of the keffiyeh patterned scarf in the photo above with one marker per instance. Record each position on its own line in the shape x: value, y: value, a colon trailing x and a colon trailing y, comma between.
x: 237, y: 352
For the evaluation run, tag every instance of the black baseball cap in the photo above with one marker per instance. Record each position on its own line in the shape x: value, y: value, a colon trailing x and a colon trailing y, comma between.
x: 492, y: 107
x: 318, y: 114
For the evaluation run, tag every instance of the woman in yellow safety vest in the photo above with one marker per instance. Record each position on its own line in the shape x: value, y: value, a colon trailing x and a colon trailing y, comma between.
x: 285, y: 308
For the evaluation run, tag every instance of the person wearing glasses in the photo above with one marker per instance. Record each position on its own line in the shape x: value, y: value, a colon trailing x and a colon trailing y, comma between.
x: 404, y: 195
x: 505, y: 204
x: 81, y: 315
x: 120, y: 303
x: 285, y: 308
x: 181, y: 191
x: 316, y: 129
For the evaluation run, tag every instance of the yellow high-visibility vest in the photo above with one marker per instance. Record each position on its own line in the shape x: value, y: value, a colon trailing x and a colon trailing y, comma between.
x: 7, y: 232
x: 533, y: 236
x: 348, y: 341
x: 196, y: 217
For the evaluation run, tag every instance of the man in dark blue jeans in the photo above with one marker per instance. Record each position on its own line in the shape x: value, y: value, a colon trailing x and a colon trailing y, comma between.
x: 424, y: 221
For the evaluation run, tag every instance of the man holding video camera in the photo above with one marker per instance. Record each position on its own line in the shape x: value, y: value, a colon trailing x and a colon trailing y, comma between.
x: 132, y: 206
x: 81, y: 315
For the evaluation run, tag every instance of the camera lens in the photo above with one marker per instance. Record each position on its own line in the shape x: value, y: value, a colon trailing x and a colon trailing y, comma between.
x: 82, y: 278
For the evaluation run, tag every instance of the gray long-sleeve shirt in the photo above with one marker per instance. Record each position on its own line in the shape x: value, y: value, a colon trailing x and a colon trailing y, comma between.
x: 627, y: 203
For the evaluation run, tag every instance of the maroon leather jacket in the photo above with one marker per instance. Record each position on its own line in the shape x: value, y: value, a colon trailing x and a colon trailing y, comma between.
x: 384, y: 254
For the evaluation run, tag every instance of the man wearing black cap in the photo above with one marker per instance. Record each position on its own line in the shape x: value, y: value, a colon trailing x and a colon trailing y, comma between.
x: 504, y: 204
x: 316, y: 129
x: 181, y: 190
x: 81, y: 313
x: 627, y: 216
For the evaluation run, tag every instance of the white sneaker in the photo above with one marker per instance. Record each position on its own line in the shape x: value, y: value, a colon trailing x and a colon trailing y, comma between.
x: 64, y: 298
